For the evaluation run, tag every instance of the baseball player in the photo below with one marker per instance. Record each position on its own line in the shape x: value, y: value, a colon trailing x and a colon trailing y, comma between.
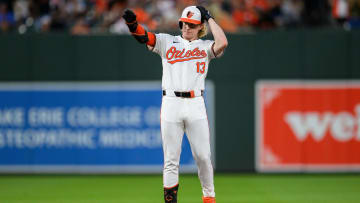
x: 185, y: 61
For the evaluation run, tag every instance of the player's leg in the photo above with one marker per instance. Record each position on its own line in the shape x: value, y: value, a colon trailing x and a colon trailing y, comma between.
x: 198, y: 133
x: 172, y: 134
x: 199, y: 138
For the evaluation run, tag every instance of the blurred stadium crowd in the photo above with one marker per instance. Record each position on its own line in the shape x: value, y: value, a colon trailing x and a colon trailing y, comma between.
x: 104, y: 16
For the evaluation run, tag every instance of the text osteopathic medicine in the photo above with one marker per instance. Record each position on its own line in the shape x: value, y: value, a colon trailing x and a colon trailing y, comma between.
x: 80, y: 127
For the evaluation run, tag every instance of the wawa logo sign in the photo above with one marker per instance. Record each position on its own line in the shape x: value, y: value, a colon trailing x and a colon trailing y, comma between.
x: 308, y: 126
x: 173, y: 55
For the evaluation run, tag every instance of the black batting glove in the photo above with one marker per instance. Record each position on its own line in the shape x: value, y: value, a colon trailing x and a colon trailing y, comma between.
x: 205, y: 14
x: 130, y: 18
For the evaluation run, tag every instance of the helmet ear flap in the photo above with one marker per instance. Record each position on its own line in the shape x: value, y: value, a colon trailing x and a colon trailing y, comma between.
x: 180, y: 24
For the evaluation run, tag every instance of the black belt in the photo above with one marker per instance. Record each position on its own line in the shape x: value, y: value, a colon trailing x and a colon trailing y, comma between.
x: 184, y: 94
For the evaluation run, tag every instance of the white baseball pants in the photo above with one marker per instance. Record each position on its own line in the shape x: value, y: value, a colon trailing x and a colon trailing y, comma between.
x: 179, y: 115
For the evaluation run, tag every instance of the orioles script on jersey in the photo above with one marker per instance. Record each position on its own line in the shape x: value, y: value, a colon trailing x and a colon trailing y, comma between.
x: 173, y: 55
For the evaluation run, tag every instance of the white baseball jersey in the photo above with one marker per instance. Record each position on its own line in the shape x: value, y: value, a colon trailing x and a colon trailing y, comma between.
x: 185, y: 64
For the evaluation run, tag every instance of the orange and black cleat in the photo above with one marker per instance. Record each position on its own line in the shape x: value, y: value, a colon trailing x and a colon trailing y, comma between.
x: 170, y: 194
x: 209, y: 199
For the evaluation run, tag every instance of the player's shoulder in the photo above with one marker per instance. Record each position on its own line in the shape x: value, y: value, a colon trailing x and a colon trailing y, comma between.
x: 205, y: 43
x: 165, y: 36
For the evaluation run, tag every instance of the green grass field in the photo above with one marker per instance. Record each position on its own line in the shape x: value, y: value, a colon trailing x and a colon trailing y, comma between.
x: 230, y: 188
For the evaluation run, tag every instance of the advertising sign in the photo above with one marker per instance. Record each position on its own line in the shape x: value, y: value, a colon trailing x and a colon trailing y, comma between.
x: 308, y: 126
x: 97, y: 127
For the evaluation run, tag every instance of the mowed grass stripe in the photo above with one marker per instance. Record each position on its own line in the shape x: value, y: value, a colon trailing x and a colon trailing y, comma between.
x: 230, y: 188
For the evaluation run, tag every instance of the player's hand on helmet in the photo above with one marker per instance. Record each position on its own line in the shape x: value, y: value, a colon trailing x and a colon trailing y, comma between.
x: 129, y: 16
x: 205, y: 14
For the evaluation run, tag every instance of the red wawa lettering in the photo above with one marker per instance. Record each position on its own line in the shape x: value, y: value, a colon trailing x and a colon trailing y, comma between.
x: 173, y: 55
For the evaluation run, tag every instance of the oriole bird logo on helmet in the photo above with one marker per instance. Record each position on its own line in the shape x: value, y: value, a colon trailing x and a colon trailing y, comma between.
x: 189, y: 14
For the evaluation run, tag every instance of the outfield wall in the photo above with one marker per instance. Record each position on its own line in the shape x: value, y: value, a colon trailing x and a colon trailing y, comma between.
x: 276, y: 55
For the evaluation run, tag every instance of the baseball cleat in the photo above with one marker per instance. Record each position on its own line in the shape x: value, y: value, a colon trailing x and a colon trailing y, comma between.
x: 209, y: 199
x: 170, y: 194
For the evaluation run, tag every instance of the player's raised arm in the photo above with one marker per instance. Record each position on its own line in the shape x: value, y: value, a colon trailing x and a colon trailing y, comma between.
x: 140, y: 34
x: 219, y: 36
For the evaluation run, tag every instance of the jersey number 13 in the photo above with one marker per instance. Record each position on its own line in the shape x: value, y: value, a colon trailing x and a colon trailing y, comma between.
x: 200, y: 67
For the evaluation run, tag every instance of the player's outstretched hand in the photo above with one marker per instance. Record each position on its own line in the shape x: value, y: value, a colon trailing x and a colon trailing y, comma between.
x: 129, y: 16
x: 205, y: 14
